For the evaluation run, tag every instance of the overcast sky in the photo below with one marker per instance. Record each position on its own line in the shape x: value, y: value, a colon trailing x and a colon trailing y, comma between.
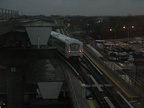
x: 76, y: 7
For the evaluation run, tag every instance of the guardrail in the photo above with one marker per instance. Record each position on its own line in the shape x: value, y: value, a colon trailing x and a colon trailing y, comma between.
x: 6, y: 14
x: 71, y: 88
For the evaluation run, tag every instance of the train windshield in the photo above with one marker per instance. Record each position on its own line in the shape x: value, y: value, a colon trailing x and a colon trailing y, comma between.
x: 74, y: 47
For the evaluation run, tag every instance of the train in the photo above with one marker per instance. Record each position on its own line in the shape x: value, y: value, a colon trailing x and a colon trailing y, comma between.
x: 67, y: 46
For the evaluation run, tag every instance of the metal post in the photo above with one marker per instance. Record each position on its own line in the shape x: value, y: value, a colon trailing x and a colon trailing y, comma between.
x: 128, y: 35
x: 115, y: 34
x: 83, y: 90
x: 14, y: 14
x: 11, y: 14
x: 38, y: 42
x: 5, y: 14
x: 2, y: 13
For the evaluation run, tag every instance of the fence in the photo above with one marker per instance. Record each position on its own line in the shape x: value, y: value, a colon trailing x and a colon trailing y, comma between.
x: 122, y: 74
x: 8, y: 14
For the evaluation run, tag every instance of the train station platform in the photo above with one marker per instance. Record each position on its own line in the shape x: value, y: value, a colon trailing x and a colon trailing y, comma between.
x: 120, y: 84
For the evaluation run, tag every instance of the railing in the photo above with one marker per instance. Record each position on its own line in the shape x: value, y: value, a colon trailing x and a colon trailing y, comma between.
x: 6, y: 14
x: 71, y: 88
x: 122, y: 74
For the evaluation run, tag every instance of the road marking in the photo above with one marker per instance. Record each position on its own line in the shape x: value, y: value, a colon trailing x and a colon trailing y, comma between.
x: 91, y: 104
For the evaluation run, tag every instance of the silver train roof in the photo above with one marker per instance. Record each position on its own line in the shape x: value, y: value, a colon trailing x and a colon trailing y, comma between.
x: 64, y: 38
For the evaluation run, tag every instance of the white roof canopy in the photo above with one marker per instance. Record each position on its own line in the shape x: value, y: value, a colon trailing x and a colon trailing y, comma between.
x: 39, y: 35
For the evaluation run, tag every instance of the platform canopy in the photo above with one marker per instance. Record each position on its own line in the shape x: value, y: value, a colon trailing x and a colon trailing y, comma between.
x: 50, y: 90
x: 38, y: 35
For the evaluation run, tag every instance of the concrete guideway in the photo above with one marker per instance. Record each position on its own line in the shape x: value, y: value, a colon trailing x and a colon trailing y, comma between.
x: 75, y: 89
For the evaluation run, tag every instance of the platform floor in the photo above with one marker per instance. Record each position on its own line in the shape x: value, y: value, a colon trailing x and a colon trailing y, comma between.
x: 125, y: 88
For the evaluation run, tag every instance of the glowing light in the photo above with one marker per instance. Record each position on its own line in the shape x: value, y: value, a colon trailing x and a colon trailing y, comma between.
x: 80, y: 51
x: 124, y: 27
x: 110, y: 29
x: 69, y: 51
x: 121, y: 64
x: 68, y: 24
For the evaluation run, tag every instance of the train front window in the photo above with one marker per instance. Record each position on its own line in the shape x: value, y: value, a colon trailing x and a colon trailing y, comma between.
x: 74, y: 47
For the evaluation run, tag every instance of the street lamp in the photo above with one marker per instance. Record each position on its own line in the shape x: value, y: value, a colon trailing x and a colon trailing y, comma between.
x: 110, y: 29
x: 124, y: 27
x: 128, y: 29
x: 68, y: 24
x: 113, y: 30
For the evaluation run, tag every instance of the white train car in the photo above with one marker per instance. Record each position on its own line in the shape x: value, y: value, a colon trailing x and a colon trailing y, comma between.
x: 67, y: 46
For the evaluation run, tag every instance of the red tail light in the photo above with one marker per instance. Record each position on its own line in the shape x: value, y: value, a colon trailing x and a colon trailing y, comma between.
x: 80, y: 51
x: 69, y: 51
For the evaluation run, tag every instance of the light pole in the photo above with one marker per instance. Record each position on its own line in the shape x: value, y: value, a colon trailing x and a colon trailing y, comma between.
x: 99, y: 37
x: 128, y: 29
x: 128, y: 35
x: 114, y: 32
